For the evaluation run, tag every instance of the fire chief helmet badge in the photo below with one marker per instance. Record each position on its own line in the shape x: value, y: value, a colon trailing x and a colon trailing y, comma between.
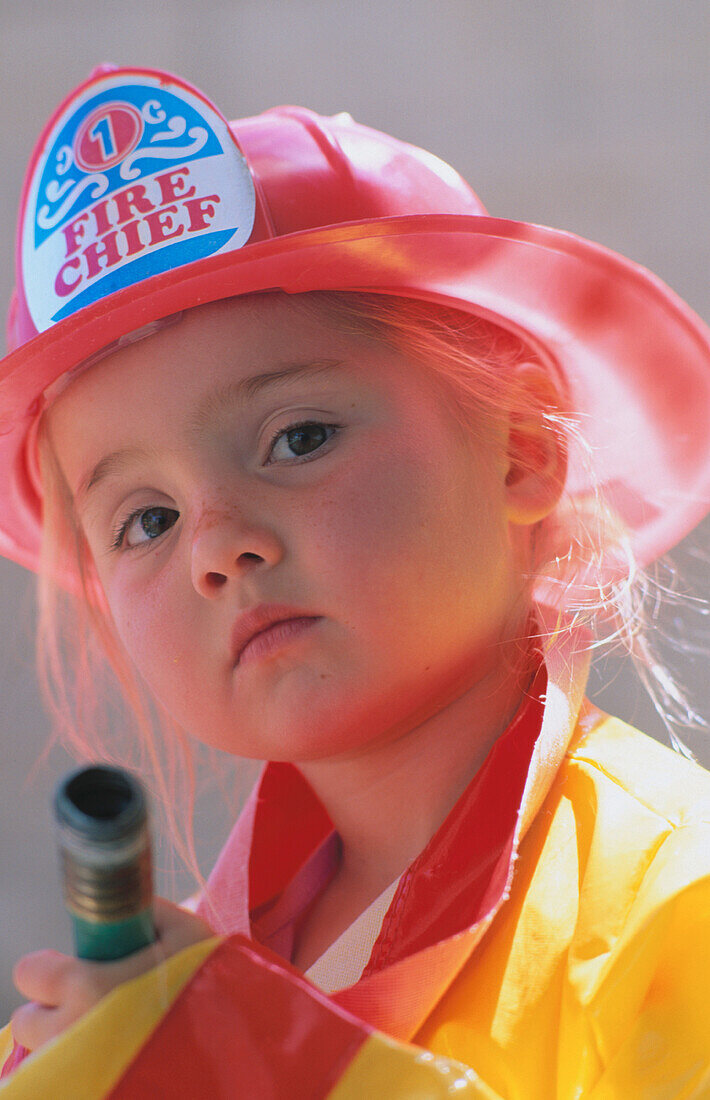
x: 138, y: 175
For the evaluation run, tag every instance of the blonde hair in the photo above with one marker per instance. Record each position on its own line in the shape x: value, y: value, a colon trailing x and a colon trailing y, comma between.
x: 96, y: 698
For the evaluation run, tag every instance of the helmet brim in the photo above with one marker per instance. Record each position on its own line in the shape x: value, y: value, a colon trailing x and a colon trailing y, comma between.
x: 636, y: 358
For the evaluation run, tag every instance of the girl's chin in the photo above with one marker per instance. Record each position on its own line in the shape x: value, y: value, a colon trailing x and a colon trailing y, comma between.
x: 286, y: 742
x: 305, y: 715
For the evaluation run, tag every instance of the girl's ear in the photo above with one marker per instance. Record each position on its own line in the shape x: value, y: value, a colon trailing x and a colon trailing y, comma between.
x: 536, y: 453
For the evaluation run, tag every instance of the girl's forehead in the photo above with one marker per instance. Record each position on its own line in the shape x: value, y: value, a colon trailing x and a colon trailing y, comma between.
x: 249, y: 343
x: 239, y: 334
x: 235, y: 354
x: 246, y: 330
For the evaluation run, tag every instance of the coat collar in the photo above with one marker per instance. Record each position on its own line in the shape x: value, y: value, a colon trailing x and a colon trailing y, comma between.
x: 449, y: 896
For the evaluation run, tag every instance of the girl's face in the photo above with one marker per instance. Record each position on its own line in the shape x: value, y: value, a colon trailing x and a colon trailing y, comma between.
x: 254, y: 457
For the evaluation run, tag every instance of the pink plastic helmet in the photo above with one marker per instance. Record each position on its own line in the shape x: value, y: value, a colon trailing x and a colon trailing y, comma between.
x: 141, y: 200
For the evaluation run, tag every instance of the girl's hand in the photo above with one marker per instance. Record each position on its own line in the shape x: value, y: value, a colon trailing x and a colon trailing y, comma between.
x: 62, y: 989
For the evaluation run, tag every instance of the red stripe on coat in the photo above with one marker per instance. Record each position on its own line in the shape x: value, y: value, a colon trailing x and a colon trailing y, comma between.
x: 246, y: 1025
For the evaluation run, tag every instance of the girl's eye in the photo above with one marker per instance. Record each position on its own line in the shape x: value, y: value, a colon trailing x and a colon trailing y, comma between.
x: 299, y: 440
x: 144, y: 525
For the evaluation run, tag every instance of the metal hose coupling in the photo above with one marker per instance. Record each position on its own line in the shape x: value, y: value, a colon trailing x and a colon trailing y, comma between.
x: 104, y: 845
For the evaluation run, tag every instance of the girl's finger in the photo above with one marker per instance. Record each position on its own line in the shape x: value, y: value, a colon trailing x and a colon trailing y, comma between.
x: 176, y: 927
x: 74, y: 985
x: 33, y: 1024
x: 61, y: 988
x: 41, y: 976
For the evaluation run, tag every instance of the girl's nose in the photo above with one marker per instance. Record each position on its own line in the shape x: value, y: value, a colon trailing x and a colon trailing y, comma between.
x: 225, y: 546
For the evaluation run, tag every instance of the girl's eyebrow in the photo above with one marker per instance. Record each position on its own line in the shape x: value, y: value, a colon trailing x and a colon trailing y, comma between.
x: 110, y: 464
x: 238, y: 393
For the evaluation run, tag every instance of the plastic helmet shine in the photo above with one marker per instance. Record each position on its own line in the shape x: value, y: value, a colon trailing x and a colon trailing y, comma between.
x: 142, y: 201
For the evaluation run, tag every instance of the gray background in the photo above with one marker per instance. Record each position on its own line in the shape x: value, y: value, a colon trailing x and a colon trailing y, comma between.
x: 591, y: 116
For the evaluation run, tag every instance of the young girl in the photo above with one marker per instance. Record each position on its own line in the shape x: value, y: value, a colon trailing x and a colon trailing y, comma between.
x: 339, y: 473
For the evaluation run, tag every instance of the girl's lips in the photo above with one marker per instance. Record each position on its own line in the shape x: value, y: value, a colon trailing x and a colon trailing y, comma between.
x: 264, y: 619
x: 273, y: 637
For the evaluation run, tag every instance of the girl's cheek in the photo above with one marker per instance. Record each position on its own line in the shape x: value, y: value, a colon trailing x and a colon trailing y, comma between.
x: 144, y: 618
